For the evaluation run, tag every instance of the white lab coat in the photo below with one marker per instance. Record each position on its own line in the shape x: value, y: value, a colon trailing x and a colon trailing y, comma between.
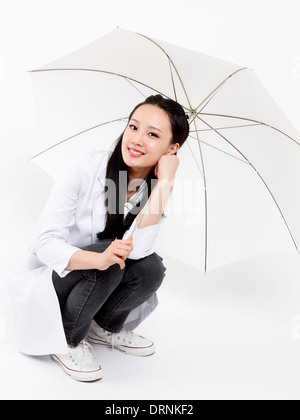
x: 74, y: 213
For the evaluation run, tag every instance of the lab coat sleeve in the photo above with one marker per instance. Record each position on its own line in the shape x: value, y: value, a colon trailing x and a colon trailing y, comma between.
x: 49, y: 240
x: 143, y: 240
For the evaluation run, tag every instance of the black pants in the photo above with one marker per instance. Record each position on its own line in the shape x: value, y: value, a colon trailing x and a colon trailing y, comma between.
x: 106, y: 296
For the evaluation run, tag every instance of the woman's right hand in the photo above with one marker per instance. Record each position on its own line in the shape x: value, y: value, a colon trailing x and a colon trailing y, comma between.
x: 116, y: 253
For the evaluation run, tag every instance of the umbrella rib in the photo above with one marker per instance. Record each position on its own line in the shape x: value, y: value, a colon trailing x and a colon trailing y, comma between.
x: 173, y: 83
x: 205, y: 199
x: 214, y: 92
x: 260, y: 176
x: 131, y: 84
x: 106, y: 72
x: 196, y: 161
x: 219, y: 150
x: 76, y: 135
x: 170, y: 61
x: 252, y: 120
x: 207, y: 100
x: 226, y: 128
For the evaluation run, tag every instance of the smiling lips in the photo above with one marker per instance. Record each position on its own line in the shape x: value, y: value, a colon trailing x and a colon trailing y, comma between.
x: 135, y: 153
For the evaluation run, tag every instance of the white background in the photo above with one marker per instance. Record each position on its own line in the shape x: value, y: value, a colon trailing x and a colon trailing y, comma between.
x: 233, y: 334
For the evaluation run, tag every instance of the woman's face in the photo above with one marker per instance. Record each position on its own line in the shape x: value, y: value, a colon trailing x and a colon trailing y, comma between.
x: 149, y: 131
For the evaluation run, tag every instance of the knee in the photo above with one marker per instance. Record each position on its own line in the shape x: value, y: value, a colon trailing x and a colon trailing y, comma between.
x: 152, y: 271
x: 157, y: 267
x: 113, y: 274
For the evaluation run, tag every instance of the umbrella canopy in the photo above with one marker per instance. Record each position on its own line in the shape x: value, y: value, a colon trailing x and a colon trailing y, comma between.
x: 237, y: 187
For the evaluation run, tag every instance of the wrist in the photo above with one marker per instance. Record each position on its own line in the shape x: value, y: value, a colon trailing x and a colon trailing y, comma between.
x: 166, y: 184
x: 97, y: 260
x: 84, y: 260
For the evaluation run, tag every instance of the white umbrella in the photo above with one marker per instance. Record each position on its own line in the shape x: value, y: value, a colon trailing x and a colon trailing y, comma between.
x: 237, y: 187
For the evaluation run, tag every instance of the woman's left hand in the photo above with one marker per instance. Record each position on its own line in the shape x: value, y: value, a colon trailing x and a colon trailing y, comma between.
x: 167, y: 167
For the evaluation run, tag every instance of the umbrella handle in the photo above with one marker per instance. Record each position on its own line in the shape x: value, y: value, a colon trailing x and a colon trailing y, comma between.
x: 141, y: 213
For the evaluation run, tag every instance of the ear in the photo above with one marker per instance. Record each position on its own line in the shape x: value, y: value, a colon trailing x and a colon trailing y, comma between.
x: 174, y: 149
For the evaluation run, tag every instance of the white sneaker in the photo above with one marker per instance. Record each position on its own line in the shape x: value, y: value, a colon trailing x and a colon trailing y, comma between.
x: 125, y: 341
x: 79, y: 363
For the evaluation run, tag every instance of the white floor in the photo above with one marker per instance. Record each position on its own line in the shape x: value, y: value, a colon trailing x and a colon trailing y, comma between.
x: 234, y: 334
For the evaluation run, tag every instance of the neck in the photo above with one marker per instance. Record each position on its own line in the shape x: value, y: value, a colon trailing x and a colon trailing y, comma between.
x: 138, y: 173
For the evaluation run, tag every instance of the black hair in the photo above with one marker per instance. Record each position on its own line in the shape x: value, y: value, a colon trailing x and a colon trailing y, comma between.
x: 116, y: 224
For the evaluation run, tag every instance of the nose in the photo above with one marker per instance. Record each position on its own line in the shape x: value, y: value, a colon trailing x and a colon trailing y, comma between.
x: 138, y: 139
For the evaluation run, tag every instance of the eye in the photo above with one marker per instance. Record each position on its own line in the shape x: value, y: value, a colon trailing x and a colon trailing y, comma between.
x: 132, y: 127
x: 153, y: 135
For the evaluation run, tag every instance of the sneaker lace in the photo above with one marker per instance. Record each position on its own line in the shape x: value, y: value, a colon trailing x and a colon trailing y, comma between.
x: 87, y: 349
x: 124, y: 336
x: 83, y: 351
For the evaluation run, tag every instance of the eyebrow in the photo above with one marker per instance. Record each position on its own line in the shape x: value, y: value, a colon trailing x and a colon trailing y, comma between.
x: 150, y: 126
